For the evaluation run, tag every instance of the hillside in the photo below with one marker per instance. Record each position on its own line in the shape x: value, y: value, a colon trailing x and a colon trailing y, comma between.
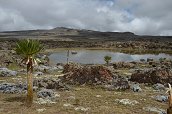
x: 68, y: 34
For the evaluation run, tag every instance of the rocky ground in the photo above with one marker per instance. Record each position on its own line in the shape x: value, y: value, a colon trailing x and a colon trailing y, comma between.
x: 120, y: 88
x: 61, y: 37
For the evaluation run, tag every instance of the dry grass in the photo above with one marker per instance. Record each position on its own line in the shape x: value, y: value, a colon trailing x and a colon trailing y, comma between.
x: 84, y: 96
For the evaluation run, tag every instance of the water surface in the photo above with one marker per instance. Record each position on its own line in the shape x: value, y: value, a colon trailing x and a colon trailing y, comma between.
x: 97, y: 56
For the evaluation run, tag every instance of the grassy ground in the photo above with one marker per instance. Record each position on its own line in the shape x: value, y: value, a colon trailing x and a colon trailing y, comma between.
x: 97, y: 100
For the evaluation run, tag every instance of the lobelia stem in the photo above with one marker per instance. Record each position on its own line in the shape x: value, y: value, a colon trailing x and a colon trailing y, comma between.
x: 29, y: 99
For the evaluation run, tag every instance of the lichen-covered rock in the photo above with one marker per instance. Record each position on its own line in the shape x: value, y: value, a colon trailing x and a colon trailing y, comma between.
x: 155, y: 110
x: 12, y: 88
x: 120, y: 83
x: 6, y: 72
x: 46, y: 93
x: 160, y: 98
x: 44, y: 101
x: 38, y: 73
x: 136, y: 88
x: 44, y: 68
x: 50, y: 83
x: 159, y: 87
x: 153, y: 76
x: 126, y: 101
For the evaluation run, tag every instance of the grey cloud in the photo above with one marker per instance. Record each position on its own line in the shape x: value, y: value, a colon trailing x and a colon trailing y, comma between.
x: 151, y: 17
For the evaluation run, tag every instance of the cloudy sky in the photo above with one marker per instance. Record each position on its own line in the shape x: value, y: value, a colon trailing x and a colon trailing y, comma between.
x: 144, y: 17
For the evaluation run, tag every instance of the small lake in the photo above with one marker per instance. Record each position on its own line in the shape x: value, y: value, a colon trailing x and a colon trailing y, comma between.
x: 97, y: 56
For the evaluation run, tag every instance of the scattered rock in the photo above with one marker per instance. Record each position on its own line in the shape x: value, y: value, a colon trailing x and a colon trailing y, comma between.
x: 126, y: 101
x: 154, y: 109
x: 118, y: 65
x: 46, y: 69
x: 40, y: 110
x: 60, y: 67
x: 80, y: 108
x: 161, y: 98
x: 136, y: 88
x: 67, y: 105
x: 6, y: 72
x: 159, y: 86
x: 50, y: 83
x: 98, y: 96
x: 46, y: 93
x: 38, y: 73
x: 44, y: 101
x: 120, y: 83
x: 12, y: 88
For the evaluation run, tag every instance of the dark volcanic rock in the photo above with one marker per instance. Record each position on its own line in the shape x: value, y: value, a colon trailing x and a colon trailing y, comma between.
x: 90, y: 74
x: 153, y: 76
x: 94, y: 75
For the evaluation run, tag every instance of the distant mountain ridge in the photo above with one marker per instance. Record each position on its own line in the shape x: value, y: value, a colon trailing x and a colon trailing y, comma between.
x: 68, y: 34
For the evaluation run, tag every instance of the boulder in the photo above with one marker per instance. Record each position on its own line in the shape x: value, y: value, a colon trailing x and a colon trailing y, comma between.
x: 136, y: 88
x: 161, y: 98
x: 45, y: 93
x: 152, y: 76
x: 159, y: 87
x: 6, y: 72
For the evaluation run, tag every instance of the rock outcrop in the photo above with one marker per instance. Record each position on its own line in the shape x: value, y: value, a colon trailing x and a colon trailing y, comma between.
x: 94, y: 75
x: 153, y: 76
x: 12, y: 88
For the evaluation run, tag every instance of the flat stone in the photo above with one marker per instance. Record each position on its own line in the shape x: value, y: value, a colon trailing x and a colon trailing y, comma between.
x: 80, y: 108
x: 127, y: 101
x: 159, y: 87
x: 40, y: 110
x: 161, y: 98
x: 154, y: 109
